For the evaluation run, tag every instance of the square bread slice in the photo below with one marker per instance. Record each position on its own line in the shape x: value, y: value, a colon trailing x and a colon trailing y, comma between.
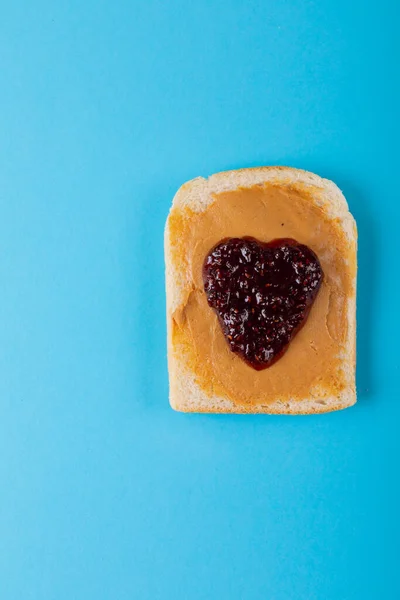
x: 317, y: 372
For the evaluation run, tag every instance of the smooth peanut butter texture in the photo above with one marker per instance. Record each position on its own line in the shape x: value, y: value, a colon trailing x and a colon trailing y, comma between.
x: 312, y: 363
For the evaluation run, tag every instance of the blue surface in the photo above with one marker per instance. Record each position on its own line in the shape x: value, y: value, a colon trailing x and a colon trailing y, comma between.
x: 105, y: 493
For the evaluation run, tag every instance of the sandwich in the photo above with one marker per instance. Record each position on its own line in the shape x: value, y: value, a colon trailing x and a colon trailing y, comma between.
x: 261, y: 268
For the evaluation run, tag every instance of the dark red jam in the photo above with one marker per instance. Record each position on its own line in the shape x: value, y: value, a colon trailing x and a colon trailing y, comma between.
x: 262, y: 294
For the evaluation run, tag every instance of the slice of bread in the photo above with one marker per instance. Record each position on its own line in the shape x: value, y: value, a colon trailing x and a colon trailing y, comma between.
x: 196, y: 384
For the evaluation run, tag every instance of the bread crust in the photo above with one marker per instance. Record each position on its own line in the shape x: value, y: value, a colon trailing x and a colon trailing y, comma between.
x: 197, y: 194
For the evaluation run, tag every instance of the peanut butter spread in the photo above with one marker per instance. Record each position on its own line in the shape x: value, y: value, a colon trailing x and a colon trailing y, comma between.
x: 312, y: 363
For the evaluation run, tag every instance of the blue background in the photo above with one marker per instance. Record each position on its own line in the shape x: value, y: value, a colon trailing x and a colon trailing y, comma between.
x: 106, y: 493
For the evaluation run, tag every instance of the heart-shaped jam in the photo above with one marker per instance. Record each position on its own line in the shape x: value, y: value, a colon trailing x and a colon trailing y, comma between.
x: 262, y: 294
